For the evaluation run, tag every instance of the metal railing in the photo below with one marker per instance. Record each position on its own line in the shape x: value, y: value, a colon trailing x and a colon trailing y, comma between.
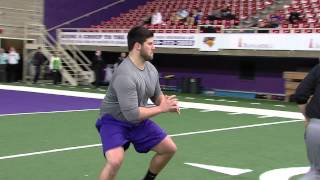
x: 76, y: 67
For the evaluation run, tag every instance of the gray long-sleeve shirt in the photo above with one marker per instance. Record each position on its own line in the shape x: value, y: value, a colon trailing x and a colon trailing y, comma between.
x: 130, y: 88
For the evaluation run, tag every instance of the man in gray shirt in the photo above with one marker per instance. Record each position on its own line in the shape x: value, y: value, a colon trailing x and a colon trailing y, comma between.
x: 124, y: 114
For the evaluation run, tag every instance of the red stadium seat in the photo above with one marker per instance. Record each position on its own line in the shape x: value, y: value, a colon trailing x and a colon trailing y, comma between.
x: 308, y: 31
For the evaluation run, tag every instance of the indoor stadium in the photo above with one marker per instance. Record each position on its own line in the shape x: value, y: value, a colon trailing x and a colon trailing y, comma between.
x: 230, y: 87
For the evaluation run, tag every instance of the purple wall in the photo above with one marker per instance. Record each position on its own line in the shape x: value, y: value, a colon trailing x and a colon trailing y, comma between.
x: 267, y: 83
x: 59, y: 11
x: 224, y: 72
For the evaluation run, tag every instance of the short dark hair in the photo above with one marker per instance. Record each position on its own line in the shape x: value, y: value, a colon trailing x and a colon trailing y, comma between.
x: 138, y: 34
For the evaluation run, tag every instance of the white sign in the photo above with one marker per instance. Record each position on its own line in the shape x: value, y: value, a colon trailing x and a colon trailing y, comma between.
x: 203, y: 41
x: 120, y: 39
x: 90, y: 38
x: 271, y: 41
x: 180, y: 40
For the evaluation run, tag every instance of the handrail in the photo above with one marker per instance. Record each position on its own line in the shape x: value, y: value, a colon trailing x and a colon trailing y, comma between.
x: 256, y: 30
x: 226, y: 31
x: 17, y: 9
x: 70, y: 48
x: 113, y: 29
x: 86, y: 15
x: 12, y: 25
x: 81, y: 54
x: 61, y: 49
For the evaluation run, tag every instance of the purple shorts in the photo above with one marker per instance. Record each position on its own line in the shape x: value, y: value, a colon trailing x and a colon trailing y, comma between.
x: 114, y: 133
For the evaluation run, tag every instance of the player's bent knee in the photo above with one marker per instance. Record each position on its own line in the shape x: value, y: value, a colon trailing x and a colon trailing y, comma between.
x: 115, y: 163
x: 173, y: 149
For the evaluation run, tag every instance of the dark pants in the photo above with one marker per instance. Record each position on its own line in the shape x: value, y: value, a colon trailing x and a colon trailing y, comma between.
x: 36, y: 73
x: 12, y: 72
x: 98, y: 76
x: 3, y: 73
x: 56, y: 76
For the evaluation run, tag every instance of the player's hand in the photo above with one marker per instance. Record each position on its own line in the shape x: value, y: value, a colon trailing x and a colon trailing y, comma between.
x: 170, y: 104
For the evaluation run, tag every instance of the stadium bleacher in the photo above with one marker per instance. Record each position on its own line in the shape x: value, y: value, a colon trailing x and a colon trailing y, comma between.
x: 243, y: 10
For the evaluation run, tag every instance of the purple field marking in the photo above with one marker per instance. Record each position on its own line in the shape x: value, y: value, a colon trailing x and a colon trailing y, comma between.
x: 13, y: 102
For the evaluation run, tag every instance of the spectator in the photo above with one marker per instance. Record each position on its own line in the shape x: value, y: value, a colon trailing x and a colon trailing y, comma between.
x: 12, y: 66
x: 108, y: 73
x: 146, y: 19
x: 194, y: 17
x: 182, y: 14
x: 156, y: 17
x: 119, y: 60
x: 55, y: 67
x: 214, y: 14
x: 274, y: 21
x: 37, y: 60
x: 226, y: 13
x: 198, y: 17
x: 98, y: 67
x: 174, y: 18
x: 294, y: 18
x: 3, y: 65
x: 123, y: 55
x: 262, y: 24
x: 191, y: 18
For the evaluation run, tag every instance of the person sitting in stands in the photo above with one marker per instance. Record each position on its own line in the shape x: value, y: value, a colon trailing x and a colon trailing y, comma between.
x: 226, y: 13
x: 145, y: 19
x: 274, y: 21
x: 156, y: 17
x: 294, y: 18
x: 214, y: 14
x: 182, y: 14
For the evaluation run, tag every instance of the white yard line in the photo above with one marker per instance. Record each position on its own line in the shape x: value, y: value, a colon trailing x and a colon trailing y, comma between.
x: 190, y: 98
x: 235, y: 113
x: 262, y: 117
x: 279, y: 105
x: 243, y: 110
x: 221, y: 100
x: 53, y: 91
x: 49, y: 151
x: 48, y: 112
x: 173, y: 135
x: 207, y: 110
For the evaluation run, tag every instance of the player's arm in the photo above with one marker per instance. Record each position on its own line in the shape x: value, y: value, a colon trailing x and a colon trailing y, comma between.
x: 163, y: 104
x: 304, y: 92
x: 128, y: 100
x: 157, y: 99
